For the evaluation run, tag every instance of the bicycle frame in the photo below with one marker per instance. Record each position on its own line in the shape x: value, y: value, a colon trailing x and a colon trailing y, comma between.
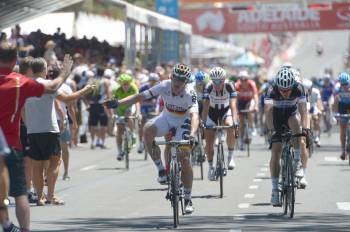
x: 175, y: 189
x: 246, y: 136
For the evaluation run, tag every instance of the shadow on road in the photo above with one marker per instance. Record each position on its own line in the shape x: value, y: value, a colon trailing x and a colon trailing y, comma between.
x: 153, y: 189
x: 247, y: 222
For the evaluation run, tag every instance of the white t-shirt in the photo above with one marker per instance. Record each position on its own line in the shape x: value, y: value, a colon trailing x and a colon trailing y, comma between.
x: 40, y: 112
x: 67, y: 90
x: 180, y: 105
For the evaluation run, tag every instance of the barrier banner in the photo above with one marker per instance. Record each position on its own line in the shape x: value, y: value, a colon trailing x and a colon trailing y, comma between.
x: 272, y: 18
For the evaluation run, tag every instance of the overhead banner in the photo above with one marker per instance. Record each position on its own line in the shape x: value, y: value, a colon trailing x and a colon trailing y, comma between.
x: 273, y: 18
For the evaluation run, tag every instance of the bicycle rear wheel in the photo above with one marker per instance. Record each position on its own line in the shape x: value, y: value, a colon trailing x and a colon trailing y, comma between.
x: 201, y: 152
x: 174, y: 194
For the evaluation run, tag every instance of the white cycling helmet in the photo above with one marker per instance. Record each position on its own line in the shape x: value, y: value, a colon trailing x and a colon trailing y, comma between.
x: 217, y: 73
x: 307, y: 84
x: 296, y: 74
x: 243, y: 74
x: 286, y: 65
x: 285, y: 79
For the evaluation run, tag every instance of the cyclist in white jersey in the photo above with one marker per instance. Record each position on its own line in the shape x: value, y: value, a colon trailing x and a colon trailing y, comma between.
x: 315, y: 109
x: 180, y: 113
x: 219, y: 106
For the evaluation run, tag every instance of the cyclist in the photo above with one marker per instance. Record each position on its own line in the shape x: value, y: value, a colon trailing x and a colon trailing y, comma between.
x: 342, y: 106
x: 284, y: 99
x: 247, y: 100
x: 200, y: 82
x: 219, y: 106
x: 180, y: 104
x: 327, y: 91
x: 148, y: 106
x: 127, y: 88
x: 315, y: 108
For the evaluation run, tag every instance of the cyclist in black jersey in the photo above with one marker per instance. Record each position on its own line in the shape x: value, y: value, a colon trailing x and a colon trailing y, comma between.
x: 285, y: 107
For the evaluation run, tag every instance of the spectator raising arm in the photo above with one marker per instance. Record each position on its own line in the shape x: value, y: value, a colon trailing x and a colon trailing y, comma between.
x: 67, y: 64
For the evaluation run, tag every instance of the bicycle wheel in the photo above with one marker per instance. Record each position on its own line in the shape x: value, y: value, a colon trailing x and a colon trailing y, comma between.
x: 126, y: 148
x: 348, y: 142
x: 291, y: 188
x: 246, y: 137
x: 174, y: 194
x: 311, y: 144
x: 219, y: 168
x: 201, y: 153
x: 284, y: 184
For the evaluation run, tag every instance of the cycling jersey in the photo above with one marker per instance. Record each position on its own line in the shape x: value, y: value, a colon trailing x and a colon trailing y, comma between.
x: 219, y: 102
x: 148, y: 105
x: 344, y: 96
x: 327, y: 91
x: 119, y: 93
x: 246, y: 93
x: 283, y: 108
x: 179, y: 105
x: 313, y: 97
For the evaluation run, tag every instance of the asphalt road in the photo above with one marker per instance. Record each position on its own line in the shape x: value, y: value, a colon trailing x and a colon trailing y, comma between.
x: 103, y: 196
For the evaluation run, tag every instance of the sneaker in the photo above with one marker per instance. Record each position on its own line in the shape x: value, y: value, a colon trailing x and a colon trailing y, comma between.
x: 303, y: 182
x: 120, y: 156
x: 317, y: 142
x: 162, y: 177
x: 32, y: 198
x: 211, y: 174
x: 342, y: 156
x: 275, y: 198
x: 299, y: 172
x: 188, y: 206
x: 224, y: 172
x: 140, y: 148
x: 231, y: 164
x: 12, y: 228
x: 254, y: 133
x: 216, y: 141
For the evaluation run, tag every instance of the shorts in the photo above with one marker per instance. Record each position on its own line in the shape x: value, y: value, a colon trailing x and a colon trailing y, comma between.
x: 243, y: 104
x: 344, y: 109
x: 280, y: 123
x: 120, y: 119
x: 215, y: 117
x: 43, y: 145
x: 15, y: 166
x: 97, y: 115
x: 165, y: 122
x: 65, y: 136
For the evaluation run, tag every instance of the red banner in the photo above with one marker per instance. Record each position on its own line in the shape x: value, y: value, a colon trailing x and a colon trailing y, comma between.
x: 273, y: 19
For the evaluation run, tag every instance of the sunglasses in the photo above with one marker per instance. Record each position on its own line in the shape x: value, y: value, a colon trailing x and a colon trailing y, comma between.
x: 179, y: 78
x: 284, y: 90
x: 218, y: 82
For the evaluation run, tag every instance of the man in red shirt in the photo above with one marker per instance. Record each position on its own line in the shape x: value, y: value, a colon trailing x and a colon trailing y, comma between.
x: 14, y: 90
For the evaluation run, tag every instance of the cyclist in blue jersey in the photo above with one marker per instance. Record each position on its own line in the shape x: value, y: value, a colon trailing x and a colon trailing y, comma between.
x: 149, y: 107
x: 327, y: 91
x: 342, y: 106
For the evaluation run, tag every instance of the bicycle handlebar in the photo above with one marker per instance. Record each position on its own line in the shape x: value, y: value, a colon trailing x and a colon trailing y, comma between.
x: 219, y: 127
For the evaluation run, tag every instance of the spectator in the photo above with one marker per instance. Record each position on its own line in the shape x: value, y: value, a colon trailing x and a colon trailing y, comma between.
x: 50, y: 55
x: 14, y: 90
x: 43, y: 133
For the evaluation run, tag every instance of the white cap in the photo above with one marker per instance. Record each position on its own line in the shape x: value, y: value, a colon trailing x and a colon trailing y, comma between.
x: 108, y: 73
x: 243, y: 73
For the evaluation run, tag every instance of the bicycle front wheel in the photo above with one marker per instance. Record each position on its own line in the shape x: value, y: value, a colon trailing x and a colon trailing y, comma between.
x: 174, y: 195
x: 291, y: 189
x: 220, y: 168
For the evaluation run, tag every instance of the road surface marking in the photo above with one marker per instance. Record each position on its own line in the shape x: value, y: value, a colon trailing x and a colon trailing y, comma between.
x: 264, y: 169
x: 88, y: 168
x: 243, y: 205
x: 249, y: 195
x: 254, y: 187
x: 343, y: 205
x: 260, y: 174
x: 331, y: 159
x: 239, y: 217
x: 257, y: 180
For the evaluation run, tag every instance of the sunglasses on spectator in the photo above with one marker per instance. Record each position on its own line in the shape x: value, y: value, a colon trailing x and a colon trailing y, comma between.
x: 218, y: 82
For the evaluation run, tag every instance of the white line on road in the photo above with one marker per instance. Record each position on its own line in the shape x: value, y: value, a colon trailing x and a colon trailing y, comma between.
x: 264, y: 169
x: 243, y: 205
x: 249, y: 195
x: 331, y: 159
x: 238, y: 217
x: 257, y: 180
x: 260, y: 174
x: 88, y: 168
x: 254, y: 187
x: 343, y: 205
